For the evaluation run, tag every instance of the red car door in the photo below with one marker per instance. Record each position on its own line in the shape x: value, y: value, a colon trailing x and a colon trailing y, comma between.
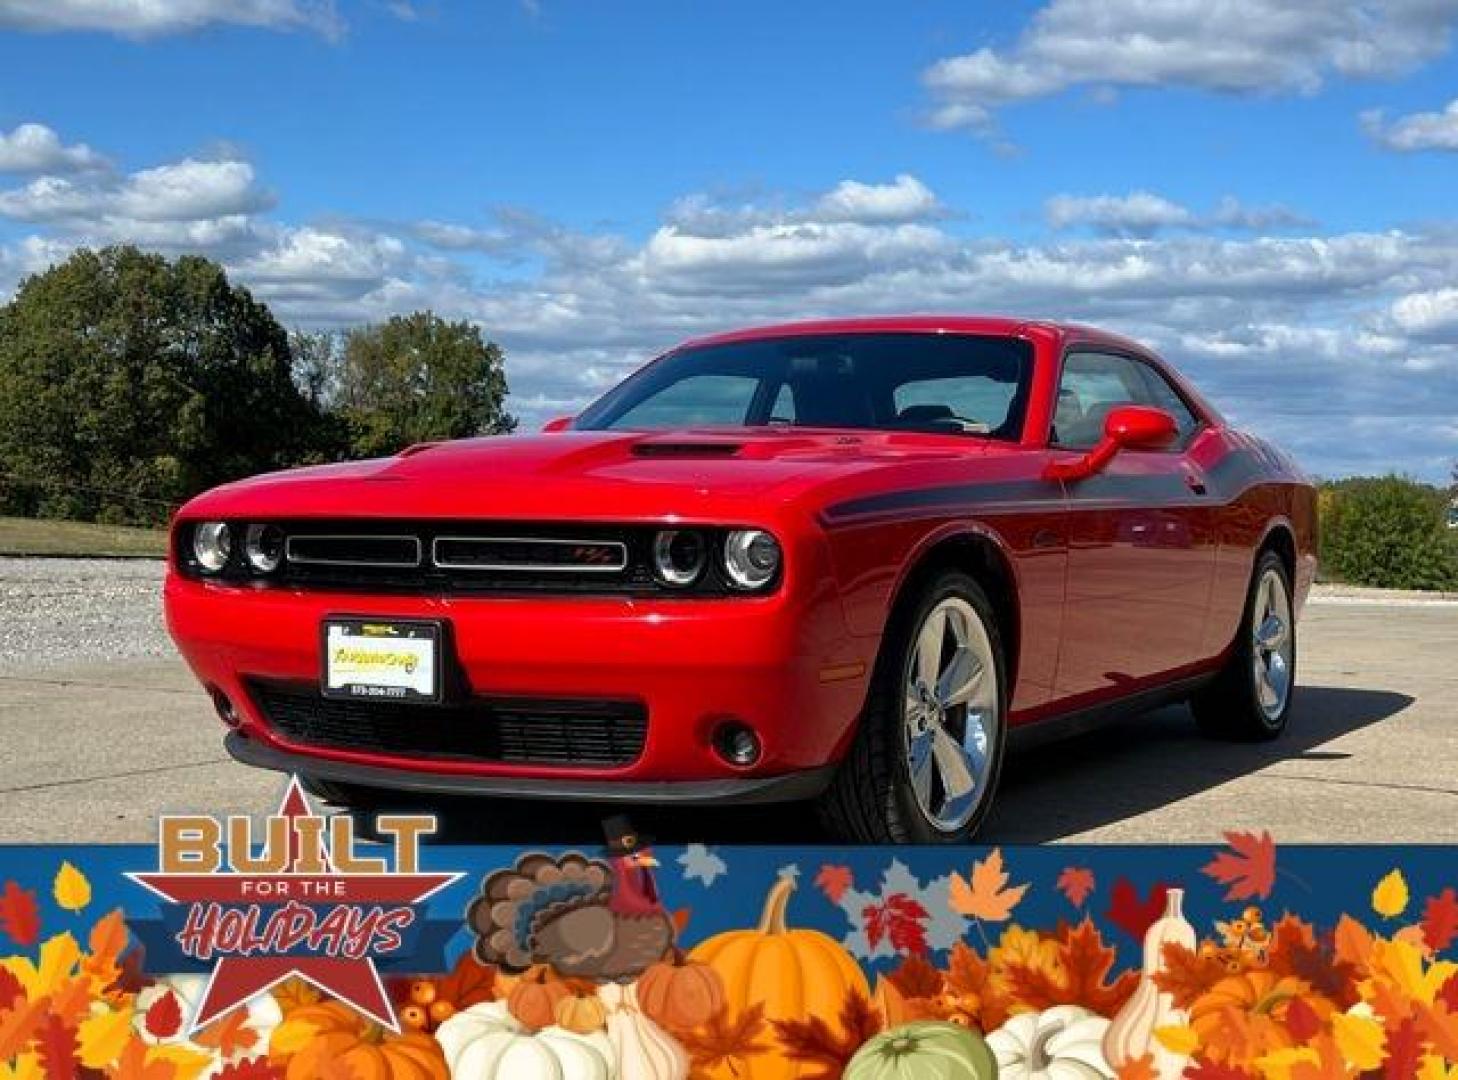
x: 1141, y: 537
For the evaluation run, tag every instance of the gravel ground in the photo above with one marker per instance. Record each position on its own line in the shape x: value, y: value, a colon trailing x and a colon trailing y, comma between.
x: 55, y: 612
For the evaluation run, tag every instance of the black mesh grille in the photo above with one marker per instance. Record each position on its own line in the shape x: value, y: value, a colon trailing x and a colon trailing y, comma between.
x: 590, y: 734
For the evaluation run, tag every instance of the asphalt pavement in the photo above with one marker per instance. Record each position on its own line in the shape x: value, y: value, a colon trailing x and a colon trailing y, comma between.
x: 104, y: 729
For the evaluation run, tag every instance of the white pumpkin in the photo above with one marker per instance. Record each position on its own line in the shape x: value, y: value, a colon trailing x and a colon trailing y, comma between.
x: 1061, y: 1043
x: 485, y: 1042
x: 642, y: 1049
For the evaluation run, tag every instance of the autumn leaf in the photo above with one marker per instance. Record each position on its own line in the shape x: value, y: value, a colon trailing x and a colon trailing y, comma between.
x: 1205, y: 1069
x: 1178, y: 1039
x: 19, y: 915
x: 1186, y: 974
x: 104, y: 1036
x: 917, y: 978
x: 55, y: 1042
x: 137, y: 1063
x: 1353, y: 941
x: 130, y: 978
x: 1405, y: 1047
x: 1076, y: 883
x: 987, y: 895
x: 11, y: 989
x: 257, y: 1068
x: 1440, y: 1025
x: 230, y: 1035
x: 1390, y: 897
x: 1131, y: 914
x: 1361, y: 1041
x: 1248, y: 868
x: 1440, y: 920
x: 469, y: 983
x: 164, y: 1019
x: 71, y: 889
x: 1295, y: 952
x: 726, y: 1043
x: 18, y: 1026
x: 1140, y: 1068
x: 815, y: 1042
x: 1301, y: 1020
x: 106, y: 941
x: 834, y: 881
x: 1081, y: 977
x: 295, y: 993
x: 901, y: 921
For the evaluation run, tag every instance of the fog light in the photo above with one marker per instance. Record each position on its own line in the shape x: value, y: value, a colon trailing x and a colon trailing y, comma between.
x: 224, y: 705
x: 737, y: 744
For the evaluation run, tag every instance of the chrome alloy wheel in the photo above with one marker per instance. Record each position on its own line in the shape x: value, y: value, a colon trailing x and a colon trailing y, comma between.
x: 1273, y: 644
x: 951, y: 714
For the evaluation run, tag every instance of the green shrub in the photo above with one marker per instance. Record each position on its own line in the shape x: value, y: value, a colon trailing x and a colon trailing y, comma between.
x: 1388, y: 532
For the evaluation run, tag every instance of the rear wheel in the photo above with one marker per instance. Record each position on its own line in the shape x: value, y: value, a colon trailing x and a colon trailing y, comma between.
x: 1250, y: 700
x: 929, y: 750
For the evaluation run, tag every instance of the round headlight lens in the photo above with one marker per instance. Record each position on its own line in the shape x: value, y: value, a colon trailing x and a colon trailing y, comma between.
x: 751, y: 558
x: 212, y: 543
x: 264, y: 545
x: 679, y: 556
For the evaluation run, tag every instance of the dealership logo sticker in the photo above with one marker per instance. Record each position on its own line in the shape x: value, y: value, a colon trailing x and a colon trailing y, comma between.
x: 300, y: 900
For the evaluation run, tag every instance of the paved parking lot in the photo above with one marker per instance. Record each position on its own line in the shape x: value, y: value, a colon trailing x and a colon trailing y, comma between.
x: 104, y: 729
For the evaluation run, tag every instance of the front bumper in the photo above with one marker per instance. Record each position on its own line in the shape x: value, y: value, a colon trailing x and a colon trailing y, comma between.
x: 784, y: 665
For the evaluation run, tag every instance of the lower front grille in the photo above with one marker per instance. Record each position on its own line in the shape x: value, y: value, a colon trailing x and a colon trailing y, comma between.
x: 516, y: 731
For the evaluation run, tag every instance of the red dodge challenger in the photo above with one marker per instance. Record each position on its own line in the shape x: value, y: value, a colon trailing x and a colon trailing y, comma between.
x: 849, y: 562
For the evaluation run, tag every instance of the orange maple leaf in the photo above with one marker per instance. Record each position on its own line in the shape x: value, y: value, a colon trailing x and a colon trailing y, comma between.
x: 229, y: 1035
x: 1141, y: 1068
x: 1249, y: 867
x: 987, y: 896
x: 1076, y: 882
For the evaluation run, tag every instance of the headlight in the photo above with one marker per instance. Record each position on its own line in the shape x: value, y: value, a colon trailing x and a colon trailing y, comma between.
x: 212, y: 544
x: 264, y: 545
x: 679, y: 556
x: 751, y: 558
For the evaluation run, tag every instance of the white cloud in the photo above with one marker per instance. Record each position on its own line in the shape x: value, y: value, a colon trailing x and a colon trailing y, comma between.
x: 1229, y: 46
x: 1419, y: 131
x: 1142, y: 213
x: 1432, y: 314
x: 35, y: 148
x: 182, y: 191
x: 154, y: 18
x: 904, y: 199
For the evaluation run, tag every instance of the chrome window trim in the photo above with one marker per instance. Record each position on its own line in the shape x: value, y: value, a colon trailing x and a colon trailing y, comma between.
x: 310, y: 561
x: 529, y: 568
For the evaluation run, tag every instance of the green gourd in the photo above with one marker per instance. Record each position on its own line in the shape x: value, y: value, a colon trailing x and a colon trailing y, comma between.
x: 929, y: 1049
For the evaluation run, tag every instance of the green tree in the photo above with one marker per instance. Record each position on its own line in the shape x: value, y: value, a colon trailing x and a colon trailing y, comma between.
x: 416, y: 378
x: 128, y: 382
x: 1388, y: 532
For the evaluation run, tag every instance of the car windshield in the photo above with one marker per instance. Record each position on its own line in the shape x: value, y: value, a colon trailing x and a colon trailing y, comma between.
x: 946, y: 383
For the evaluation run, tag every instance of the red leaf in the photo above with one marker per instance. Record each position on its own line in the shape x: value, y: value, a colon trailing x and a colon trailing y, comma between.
x: 917, y: 978
x: 1301, y: 1020
x: 833, y: 881
x: 10, y: 989
x: 1249, y: 867
x: 1131, y: 914
x: 1202, y: 1069
x: 1404, y: 1051
x: 900, y: 920
x: 1076, y: 882
x: 257, y: 1068
x: 19, y: 915
x: 56, y: 1043
x: 1440, y: 920
x: 1448, y: 993
x: 164, y: 1018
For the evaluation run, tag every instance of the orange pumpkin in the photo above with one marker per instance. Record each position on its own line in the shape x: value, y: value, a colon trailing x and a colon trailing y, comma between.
x: 581, y: 1013
x: 792, y: 973
x: 315, y: 1037
x: 533, y: 1000
x: 680, y: 995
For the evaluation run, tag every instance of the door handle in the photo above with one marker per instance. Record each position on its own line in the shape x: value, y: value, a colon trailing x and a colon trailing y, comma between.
x: 1195, y: 484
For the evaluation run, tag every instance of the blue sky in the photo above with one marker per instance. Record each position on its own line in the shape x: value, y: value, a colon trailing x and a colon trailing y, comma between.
x: 1262, y: 190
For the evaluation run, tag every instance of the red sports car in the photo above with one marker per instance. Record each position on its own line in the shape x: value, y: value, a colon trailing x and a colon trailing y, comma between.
x: 845, y: 561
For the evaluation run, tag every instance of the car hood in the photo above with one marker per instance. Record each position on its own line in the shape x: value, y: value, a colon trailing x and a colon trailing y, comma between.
x: 589, y: 475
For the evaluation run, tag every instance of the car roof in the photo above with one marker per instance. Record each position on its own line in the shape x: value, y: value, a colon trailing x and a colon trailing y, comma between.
x: 1000, y: 325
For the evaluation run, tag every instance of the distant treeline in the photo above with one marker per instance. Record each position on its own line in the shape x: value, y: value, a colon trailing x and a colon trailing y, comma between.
x: 1388, y: 532
x: 130, y: 382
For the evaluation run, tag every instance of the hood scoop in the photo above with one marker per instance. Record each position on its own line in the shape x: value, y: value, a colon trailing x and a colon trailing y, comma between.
x: 686, y: 448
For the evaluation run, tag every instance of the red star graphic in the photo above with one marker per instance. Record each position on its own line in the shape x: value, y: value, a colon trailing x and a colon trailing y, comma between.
x: 236, y: 979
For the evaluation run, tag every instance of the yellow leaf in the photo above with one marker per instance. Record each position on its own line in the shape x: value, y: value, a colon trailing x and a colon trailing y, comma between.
x: 188, y: 1064
x: 290, y: 1037
x: 25, y: 1067
x: 986, y: 896
x: 58, y: 959
x: 1361, y: 1041
x: 1433, y: 1067
x: 1280, y: 1064
x: 1389, y: 898
x: 104, y: 1036
x: 1178, y: 1039
x: 72, y: 890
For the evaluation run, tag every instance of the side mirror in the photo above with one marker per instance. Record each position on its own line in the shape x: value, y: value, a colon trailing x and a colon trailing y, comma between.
x: 557, y: 423
x: 1128, y: 427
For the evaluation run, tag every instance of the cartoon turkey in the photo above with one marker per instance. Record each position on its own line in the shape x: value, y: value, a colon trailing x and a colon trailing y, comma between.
x: 587, y: 918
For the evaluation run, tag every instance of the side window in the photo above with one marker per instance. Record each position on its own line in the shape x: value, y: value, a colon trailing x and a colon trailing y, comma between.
x: 1166, y: 397
x: 783, y: 410
x: 1094, y: 384
x: 708, y: 400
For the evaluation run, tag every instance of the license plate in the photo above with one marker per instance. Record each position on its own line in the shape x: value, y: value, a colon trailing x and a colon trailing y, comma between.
x: 382, y: 660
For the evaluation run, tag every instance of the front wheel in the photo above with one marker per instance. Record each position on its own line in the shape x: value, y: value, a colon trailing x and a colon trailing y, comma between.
x: 926, y: 759
x: 1250, y: 700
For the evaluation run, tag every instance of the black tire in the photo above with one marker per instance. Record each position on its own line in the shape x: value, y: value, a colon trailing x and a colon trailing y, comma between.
x: 1230, y: 707
x: 871, y: 800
